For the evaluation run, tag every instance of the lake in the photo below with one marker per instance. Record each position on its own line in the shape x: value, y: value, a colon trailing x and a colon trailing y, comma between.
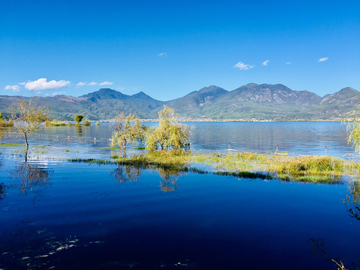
x: 62, y: 215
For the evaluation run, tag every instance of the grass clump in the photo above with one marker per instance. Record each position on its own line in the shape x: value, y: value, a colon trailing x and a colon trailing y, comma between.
x: 54, y: 123
x: 315, y: 169
x: 311, y: 165
x: 11, y: 145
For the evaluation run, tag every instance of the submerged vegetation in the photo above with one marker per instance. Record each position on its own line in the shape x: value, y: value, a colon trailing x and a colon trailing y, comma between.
x: 11, y: 145
x: 314, y: 169
x: 55, y: 123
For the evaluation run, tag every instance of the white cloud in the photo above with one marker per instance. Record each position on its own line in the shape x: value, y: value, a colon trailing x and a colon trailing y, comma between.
x: 106, y: 83
x: 80, y: 84
x: 242, y: 66
x: 22, y: 83
x: 265, y: 62
x: 162, y: 54
x: 91, y: 83
x: 288, y: 63
x: 59, y: 93
x: 42, y: 84
x: 14, y: 88
x: 323, y: 59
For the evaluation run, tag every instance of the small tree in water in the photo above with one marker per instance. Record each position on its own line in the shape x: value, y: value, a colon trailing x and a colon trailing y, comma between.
x: 127, y: 130
x: 78, y: 118
x: 169, y: 133
x: 28, y: 118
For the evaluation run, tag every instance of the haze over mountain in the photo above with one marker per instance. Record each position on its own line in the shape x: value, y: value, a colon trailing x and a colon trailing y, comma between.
x: 248, y: 102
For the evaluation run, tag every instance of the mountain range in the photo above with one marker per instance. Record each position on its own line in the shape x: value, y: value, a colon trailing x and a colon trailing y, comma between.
x: 249, y: 102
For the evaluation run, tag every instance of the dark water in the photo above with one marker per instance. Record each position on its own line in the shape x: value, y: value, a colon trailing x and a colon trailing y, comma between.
x: 61, y: 215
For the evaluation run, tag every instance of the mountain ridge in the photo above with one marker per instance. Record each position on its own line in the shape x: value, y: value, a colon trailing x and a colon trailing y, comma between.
x: 248, y: 102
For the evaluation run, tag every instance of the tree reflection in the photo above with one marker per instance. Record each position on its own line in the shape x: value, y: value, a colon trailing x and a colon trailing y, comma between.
x: 124, y: 172
x: 352, y: 200
x: 2, y: 190
x: 169, y: 177
x: 78, y: 131
x: 30, y: 177
x: 132, y: 172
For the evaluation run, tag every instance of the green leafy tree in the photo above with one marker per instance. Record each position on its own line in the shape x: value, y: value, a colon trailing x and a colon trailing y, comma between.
x: 127, y: 130
x: 1, y: 117
x: 28, y: 118
x: 78, y: 118
x: 169, y: 134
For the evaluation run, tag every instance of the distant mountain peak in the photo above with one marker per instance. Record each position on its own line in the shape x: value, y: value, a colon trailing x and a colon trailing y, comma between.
x: 211, y: 88
x: 105, y: 93
x: 142, y: 95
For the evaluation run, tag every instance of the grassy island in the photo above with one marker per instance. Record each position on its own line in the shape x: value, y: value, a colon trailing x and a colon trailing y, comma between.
x: 316, y: 169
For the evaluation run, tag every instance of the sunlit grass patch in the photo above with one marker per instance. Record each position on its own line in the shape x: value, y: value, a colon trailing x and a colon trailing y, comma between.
x: 315, y: 169
x: 11, y: 145
x: 91, y: 160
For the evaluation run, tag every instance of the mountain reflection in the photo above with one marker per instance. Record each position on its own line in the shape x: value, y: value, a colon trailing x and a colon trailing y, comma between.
x: 28, y: 177
x: 133, y: 172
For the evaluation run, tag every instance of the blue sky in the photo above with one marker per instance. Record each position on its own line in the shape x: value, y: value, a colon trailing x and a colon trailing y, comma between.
x: 169, y: 48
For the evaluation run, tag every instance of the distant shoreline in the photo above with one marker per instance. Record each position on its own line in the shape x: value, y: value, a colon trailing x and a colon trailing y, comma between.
x: 227, y: 120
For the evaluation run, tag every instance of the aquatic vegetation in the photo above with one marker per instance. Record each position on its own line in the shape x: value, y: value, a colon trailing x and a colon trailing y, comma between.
x: 318, y: 246
x: 42, y: 149
x: 91, y: 160
x: 54, y: 123
x: 12, y: 145
x: 315, y: 169
x: 352, y: 200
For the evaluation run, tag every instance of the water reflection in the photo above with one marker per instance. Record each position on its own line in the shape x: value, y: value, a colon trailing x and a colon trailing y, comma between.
x: 169, y: 176
x: 78, y: 131
x: 352, y: 200
x: 124, y: 172
x: 29, y: 177
x: 2, y: 190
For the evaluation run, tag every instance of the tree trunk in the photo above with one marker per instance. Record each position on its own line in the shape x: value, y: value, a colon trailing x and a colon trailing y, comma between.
x: 124, y: 148
x: 27, y: 146
x: 26, y: 142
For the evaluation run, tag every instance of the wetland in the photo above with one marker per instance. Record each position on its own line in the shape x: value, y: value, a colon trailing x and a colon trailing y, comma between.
x: 76, y: 204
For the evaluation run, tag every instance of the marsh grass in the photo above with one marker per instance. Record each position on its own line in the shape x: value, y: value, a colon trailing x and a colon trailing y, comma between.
x: 42, y: 149
x: 315, y: 169
x: 11, y: 145
x: 55, y: 123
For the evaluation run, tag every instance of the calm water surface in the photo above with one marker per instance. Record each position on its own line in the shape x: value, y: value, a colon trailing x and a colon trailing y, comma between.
x: 296, y: 138
x: 61, y: 215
